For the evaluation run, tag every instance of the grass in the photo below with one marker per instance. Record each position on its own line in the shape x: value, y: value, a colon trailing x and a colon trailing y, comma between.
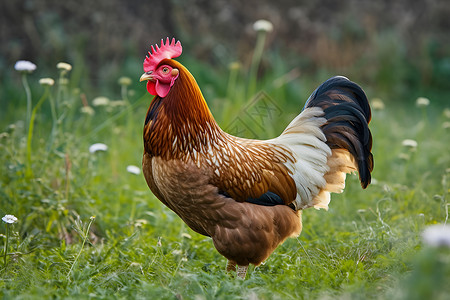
x: 89, y: 229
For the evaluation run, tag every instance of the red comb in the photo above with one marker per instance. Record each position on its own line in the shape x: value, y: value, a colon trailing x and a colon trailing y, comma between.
x: 167, y: 50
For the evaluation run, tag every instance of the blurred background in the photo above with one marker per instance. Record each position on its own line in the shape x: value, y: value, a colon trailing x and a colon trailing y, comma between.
x: 390, y: 46
x: 255, y: 83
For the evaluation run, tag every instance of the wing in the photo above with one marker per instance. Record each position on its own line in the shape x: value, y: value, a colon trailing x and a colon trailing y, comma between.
x: 251, y: 171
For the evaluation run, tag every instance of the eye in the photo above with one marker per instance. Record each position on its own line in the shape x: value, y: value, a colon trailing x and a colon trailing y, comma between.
x: 165, y: 70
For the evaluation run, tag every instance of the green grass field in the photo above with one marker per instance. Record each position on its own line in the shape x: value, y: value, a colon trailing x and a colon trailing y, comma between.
x: 88, y: 229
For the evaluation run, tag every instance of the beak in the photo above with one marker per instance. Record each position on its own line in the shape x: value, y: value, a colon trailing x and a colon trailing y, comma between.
x: 146, y: 76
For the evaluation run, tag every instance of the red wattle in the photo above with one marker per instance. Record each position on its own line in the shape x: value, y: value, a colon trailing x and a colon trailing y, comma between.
x: 151, y: 87
x: 162, y: 89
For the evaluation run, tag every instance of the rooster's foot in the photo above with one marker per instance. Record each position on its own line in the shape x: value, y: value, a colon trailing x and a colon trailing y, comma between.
x: 241, y: 271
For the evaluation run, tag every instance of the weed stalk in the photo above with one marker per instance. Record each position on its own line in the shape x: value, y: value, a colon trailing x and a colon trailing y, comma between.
x: 28, y: 171
x: 256, y: 59
x: 6, y: 245
x: 85, y: 237
x: 28, y: 93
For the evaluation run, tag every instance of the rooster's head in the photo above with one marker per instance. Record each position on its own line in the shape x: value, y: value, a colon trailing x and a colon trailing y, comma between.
x: 160, y: 75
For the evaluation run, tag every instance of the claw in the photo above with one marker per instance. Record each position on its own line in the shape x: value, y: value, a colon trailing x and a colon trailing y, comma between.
x: 231, y: 266
x: 241, y: 271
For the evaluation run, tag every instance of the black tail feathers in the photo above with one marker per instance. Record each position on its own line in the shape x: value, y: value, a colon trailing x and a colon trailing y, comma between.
x: 348, y: 114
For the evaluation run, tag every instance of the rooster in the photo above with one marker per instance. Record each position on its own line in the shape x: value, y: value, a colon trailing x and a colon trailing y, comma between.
x: 248, y: 195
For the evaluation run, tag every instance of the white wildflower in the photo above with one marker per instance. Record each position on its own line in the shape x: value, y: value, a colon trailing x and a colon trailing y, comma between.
x: 136, y: 265
x: 404, y: 156
x: 100, y: 101
x: 46, y: 81
x: 263, y: 25
x: 117, y: 130
x: 133, y: 169
x: 10, y: 219
x: 76, y: 91
x: 234, y: 65
x: 177, y: 252
x: 377, y: 104
x: 87, y: 110
x: 422, y: 102
x: 98, y: 147
x: 117, y: 103
x: 140, y: 222
x: 409, y: 143
x: 437, y: 235
x: 125, y: 81
x: 11, y: 127
x: 24, y: 66
x: 186, y: 235
x: 64, y: 66
x: 447, y: 113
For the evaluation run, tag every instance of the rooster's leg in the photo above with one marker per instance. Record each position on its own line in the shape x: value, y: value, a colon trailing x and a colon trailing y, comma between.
x: 231, y: 266
x: 242, y: 271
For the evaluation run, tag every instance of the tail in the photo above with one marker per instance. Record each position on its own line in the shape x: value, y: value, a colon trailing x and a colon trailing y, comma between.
x: 347, y: 113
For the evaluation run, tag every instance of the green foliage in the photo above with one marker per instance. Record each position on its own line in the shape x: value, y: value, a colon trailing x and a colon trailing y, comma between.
x: 367, y: 245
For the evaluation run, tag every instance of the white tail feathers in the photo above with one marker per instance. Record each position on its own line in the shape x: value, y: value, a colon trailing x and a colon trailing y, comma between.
x: 317, y: 170
x: 340, y: 162
x: 306, y: 141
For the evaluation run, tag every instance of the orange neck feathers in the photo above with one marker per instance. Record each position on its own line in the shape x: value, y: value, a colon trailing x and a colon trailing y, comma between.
x: 180, y: 123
